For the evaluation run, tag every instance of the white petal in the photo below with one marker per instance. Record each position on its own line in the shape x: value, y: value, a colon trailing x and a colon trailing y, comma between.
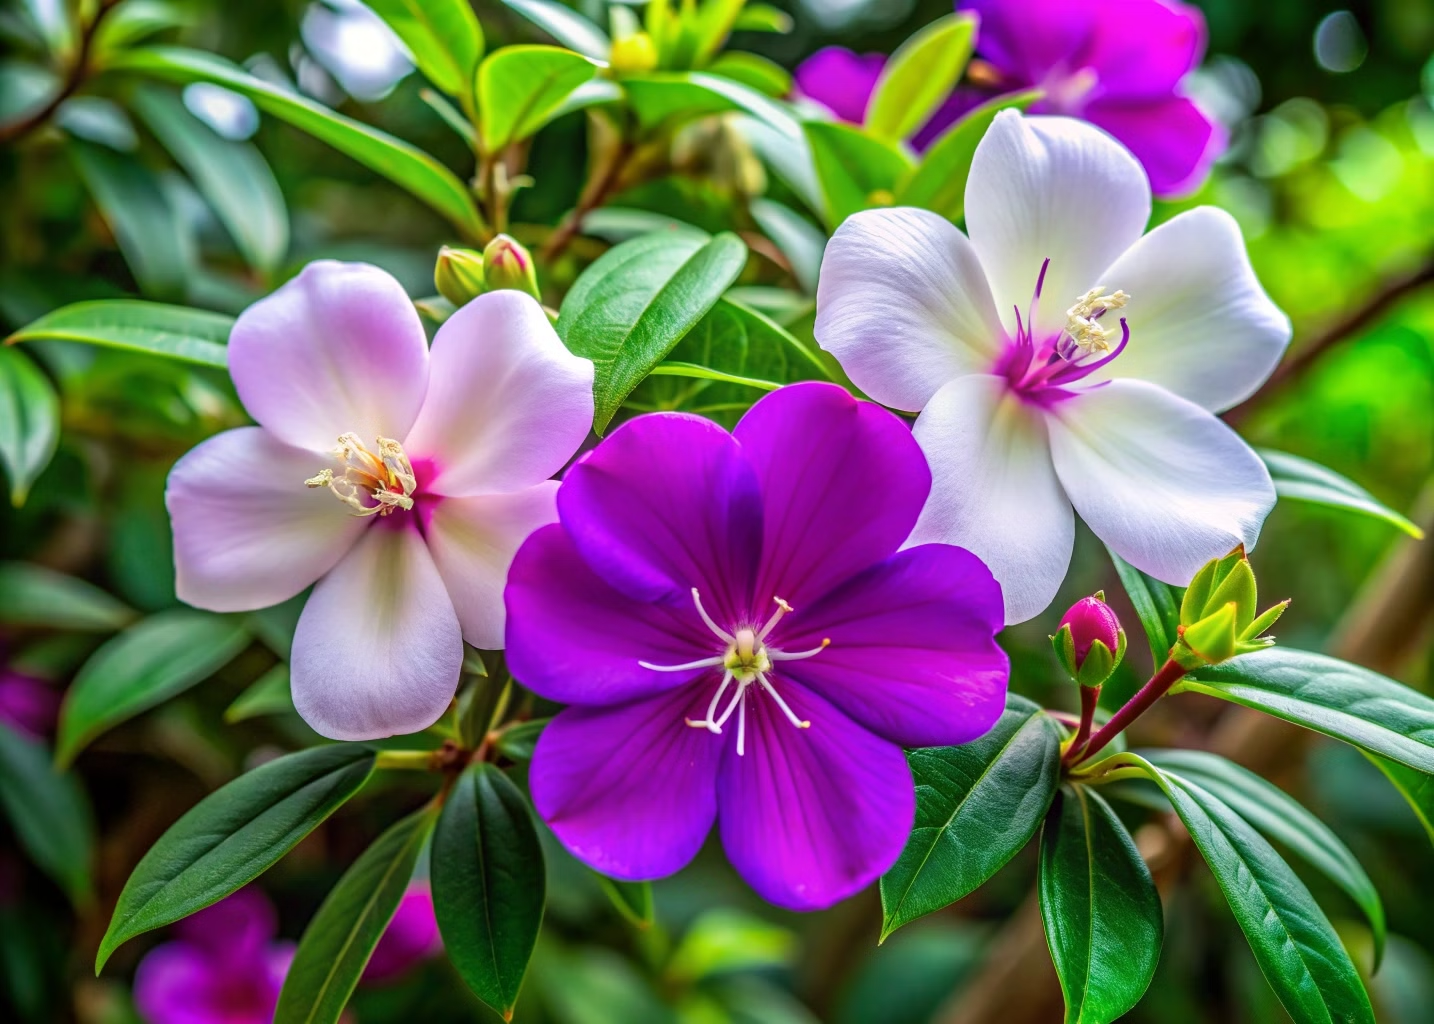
x: 473, y: 541
x: 378, y: 648
x: 507, y: 403
x: 1159, y: 479
x: 247, y: 532
x: 904, y: 306
x: 1051, y: 188
x: 1200, y: 324
x: 994, y: 491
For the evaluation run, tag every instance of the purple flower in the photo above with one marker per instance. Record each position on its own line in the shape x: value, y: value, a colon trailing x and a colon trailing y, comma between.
x: 410, y: 938
x: 224, y: 966
x: 744, y: 640
x: 28, y: 705
x: 840, y: 80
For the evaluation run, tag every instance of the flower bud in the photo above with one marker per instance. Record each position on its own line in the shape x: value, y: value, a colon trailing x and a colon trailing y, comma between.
x: 1090, y: 643
x: 633, y: 54
x: 506, y: 264
x: 458, y: 275
x: 1217, y: 614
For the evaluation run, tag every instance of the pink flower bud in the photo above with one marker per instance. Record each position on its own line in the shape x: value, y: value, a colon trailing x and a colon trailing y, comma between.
x: 1091, y: 619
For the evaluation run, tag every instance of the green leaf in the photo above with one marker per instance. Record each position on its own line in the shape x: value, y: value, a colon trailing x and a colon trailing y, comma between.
x: 855, y: 170
x: 1330, y: 696
x: 148, y: 663
x: 518, y: 741
x: 976, y: 806
x: 36, y: 596
x: 724, y: 941
x: 939, y: 182
x: 801, y: 241
x: 233, y: 836
x: 633, y: 900
x: 49, y: 813
x: 520, y: 88
x: 634, y: 304
x: 488, y: 884
x: 443, y: 36
x: 481, y: 708
x: 1416, y: 787
x: 1157, y: 604
x: 175, y: 332
x: 1293, y: 942
x: 763, y: 18
x: 400, y: 162
x: 919, y: 76
x: 340, y: 939
x: 267, y: 695
x: 565, y: 25
x: 1302, y: 480
x: 766, y: 76
x: 1284, y: 819
x: 1102, y: 915
x: 665, y: 99
x: 29, y: 422
x: 128, y: 23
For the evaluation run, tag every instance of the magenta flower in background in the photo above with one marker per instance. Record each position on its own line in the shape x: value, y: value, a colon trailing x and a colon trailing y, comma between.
x: 840, y: 80
x: 410, y: 938
x: 224, y: 966
x: 399, y: 482
x: 742, y: 638
x: 28, y: 705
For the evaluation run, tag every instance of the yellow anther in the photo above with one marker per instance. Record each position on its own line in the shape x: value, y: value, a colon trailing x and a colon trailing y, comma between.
x: 385, y: 478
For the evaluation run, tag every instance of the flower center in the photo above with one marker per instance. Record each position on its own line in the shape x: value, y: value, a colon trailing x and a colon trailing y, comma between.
x: 384, y: 478
x: 1066, y: 91
x: 746, y: 660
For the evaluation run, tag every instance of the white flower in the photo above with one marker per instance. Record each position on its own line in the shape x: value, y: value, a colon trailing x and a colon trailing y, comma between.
x: 1058, y: 358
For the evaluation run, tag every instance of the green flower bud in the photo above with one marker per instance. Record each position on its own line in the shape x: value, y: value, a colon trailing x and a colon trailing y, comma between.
x: 506, y: 264
x: 1217, y: 614
x: 458, y: 275
x: 1209, y: 641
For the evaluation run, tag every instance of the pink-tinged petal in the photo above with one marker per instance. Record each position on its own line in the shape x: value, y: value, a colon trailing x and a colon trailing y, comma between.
x: 572, y: 638
x: 1141, y: 49
x: 1159, y: 479
x: 913, y: 654
x: 1188, y: 279
x: 840, y: 80
x: 842, y: 485
x: 473, y: 541
x: 903, y: 304
x: 666, y: 503
x: 994, y: 490
x: 1173, y: 138
x: 378, y: 648
x: 811, y: 816
x: 174, y: 985
x: 1051, y: 188
x: 507, y: 404
x: 338, y: 349
x: 247, y: 532
x: 630, y: 790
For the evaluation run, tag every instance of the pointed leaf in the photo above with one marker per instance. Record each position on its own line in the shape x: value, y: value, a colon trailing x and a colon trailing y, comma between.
x: 36, y: 596
x: 49, y: 813
x: 267, y: 695
x: 518, y: 741
x: 1302, y: 480
x: 855, y: 170
x: 29, y: 422
x: 919, y: 76
x: 521, y: 87
x: 175, y: 332
x: 443, y: 36
x: 633, y: 900
x: 1416, y: 787
x: 565, y: 25
x: 801, y: 241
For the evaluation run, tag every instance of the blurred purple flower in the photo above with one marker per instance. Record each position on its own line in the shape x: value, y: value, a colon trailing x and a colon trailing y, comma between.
x: 28, y: 705
x: 411, y: 937
x: 840, y: 80
x: 658, y: 607
x: 224, y: 966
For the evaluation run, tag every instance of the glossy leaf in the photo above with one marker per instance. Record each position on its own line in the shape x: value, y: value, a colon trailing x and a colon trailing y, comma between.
x: 233, y: 836
x: 1156, y: 603
x: 521, y: 87
x: 633, y: 900
x: 1103, y: 919
x: 1416, y: 787
x: 267, y: 695
x: 150, y: 662
x: 341, y: 936
x: 919, y: 76
x: 443, y: 36
x: 488, y: 884
x: 29, y: 422
x: 636, y: 302
x: 518, y: 741
x: 1302, y: 480
x: 565, y: 25
x: 36, y: 596
x: 855, y: 170
x: 976, y: 806
x: 800, y: 241
x: 49, y: 813
x: 175, y: 332
x: 664, y: 99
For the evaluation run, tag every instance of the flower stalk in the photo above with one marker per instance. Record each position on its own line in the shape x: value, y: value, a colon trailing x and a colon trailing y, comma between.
x: 1159, y: 684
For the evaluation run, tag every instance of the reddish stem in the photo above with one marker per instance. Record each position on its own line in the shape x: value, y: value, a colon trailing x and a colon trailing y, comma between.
x: 1089, y: 697
x: 1167, y: 676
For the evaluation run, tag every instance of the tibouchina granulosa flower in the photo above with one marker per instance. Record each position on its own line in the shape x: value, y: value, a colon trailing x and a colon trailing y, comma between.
x: 397, y: 481
x: 741, y: 638
x: 1059, y: 358
x: 410, y: 938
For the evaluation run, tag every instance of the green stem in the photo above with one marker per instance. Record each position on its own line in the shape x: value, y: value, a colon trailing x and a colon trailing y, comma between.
x: 405, y: 760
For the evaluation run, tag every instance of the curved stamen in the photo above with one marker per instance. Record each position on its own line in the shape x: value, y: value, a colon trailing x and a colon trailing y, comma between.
x: 716, y: 659
x: 741, y: 721
x: 697, y: 600
x: 707, y: 723
x: 782, y: 609
x: 799, y: 655
x: 800, y: 723
x: 1077, y: 371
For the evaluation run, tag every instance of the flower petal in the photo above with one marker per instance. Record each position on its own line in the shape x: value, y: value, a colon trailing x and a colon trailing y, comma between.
x: 507, y: 403
x: 913, y: 653
x: 1143, y: 50
x: 572, y: 638
x: 666, y: 503
x: 247, y: 532
x: 903, y: 304
x: 1028, y: 39
x: 1200, y: 324
x: 339, y: 348
x: 630, y: 790
x: 473, y: 541
x: 840, y: 80
x: 810, y: 816
x: 1173, y: 139
x: 177, y: 983
x: 842, y: 485
x: 1159, y: 479
x: 378, y: 647
x: 1051, y: 188
x: 994, y: 490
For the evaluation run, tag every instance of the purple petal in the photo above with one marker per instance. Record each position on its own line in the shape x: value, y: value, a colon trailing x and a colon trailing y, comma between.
x: 339, y: 348
x: 28, y: 705
x: 410, y: 938
x: 913, y: 653
x: 810, y: 816
x: 1026, y: 39
x: 1175, y: 140
x: 1141, y: 49
x: 238, y: 925
x: 956, y: 106
x: 630, y: 790
x: 667, y: 503
x: 179, y: 983
x: 842, y: 484
x: 572, y: 638
x: 840, y: 80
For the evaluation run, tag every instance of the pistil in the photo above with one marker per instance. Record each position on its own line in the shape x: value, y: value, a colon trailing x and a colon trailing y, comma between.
x: 385, y: 476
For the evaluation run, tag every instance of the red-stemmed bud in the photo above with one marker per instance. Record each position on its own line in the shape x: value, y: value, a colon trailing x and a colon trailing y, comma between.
x: 1090, y: 642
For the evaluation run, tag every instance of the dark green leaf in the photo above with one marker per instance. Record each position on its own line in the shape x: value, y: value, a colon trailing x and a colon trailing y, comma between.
x: 634, y: 304
x: 488, y: 884
x: 36, y: 596
x: 49, y: 813
x: 1157, y: 604
x: 1416, y: 787
x: 29, y: 421
x: 148, y: 663
x: 521, y: 87
x: 976, y: 806
x: 519, y: 740
x: 233, y: 836
x: 340, y: 938
x: 1103, y: 919
x: 444, y: 37
x: 267, y: 695
x: 919, y: 76
x: 175, y: 332
x: 633, y: 900
x: 1302, y: 480
x: 565, y: 25
x: 481, y: 708
x: 855, y: 170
